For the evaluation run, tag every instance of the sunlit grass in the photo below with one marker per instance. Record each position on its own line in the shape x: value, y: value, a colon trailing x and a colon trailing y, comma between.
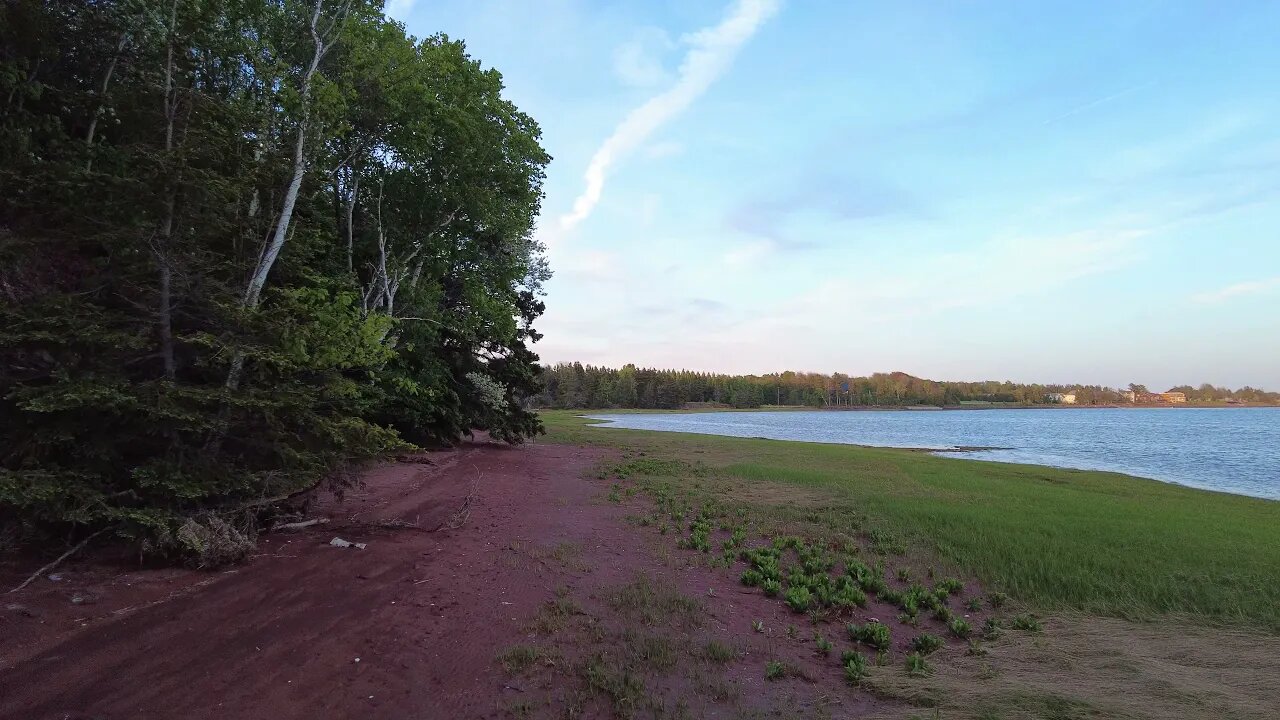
x: 1054, y: 539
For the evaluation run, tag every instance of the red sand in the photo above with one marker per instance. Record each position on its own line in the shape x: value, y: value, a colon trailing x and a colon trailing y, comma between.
x: 407, y: 628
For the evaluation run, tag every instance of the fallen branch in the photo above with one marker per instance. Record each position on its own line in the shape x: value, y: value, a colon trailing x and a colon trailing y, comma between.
x: 300, y: 525
x: 55, y: 563
x: 463, y: 513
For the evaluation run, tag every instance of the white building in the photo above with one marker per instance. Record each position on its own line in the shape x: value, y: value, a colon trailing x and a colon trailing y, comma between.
x: 1063, y: 398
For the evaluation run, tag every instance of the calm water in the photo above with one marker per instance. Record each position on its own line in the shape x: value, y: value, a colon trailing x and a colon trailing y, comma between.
x: 1230, y: 449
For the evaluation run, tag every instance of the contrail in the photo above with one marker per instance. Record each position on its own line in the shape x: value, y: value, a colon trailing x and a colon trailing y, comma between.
x: 711, y: 51
x: 1096, y: 103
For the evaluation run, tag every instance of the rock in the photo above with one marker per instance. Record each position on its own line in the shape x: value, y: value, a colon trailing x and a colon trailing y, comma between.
x: 84, y: 599
x: 339, y: 542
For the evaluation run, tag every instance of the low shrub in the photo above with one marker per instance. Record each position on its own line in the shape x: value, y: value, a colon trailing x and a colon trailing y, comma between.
x: 873, y: 634
x: 916, y: 665
x: 798, y: 598
x: 926, y: 644
x: 960, y: 627
x: 855, y: 666
x: 775, y: 670
x: 1025, y: 621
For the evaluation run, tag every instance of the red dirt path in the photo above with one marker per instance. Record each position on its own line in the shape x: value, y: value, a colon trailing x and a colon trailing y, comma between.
x: 424, y: 613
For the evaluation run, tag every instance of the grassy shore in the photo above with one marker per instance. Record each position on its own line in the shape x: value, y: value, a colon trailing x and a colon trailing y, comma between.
x: 1055, y: 540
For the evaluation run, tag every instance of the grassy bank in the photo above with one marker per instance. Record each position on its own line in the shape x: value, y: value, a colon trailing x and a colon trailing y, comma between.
x: 1096, y: 542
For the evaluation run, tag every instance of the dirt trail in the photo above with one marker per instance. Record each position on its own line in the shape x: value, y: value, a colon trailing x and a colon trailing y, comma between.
x: 425, y: 613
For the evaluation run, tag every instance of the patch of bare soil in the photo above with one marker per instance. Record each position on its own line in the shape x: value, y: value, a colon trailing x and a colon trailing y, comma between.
x: 496, y: 582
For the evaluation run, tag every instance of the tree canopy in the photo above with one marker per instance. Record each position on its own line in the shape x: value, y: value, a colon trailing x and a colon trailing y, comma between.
x: 243, y: 243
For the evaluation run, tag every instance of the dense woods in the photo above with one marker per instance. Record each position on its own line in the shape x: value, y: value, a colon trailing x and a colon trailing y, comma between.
x: 243, y: 243
x: 573, y: 385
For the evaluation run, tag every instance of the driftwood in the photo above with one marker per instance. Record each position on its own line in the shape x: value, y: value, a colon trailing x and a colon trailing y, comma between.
x: 300, y: 525
x: 463, y: 513
x: 79, y: 546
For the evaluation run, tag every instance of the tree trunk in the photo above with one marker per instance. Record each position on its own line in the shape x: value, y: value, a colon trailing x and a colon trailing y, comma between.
x: 165, y: 314
x: 253, y: 291
x: 102, y: 97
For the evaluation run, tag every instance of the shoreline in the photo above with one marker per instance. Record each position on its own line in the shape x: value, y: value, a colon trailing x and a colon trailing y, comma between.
x: 956, y: 452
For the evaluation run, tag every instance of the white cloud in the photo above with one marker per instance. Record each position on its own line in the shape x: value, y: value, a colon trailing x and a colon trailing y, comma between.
x: 638, y: 61
x: 1251, y: 287
x: 748, y: 252
x: 664, y: 149
x: 399, y: 8
x: 711, y: 51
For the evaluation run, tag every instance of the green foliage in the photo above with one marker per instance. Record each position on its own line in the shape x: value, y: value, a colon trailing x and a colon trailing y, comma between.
x: 873, y: 634
x: 147, y: 385
x: 960, y: 627
x: 775, y: 670
x: 798, y: 598
x: 916, y: 665
x: 718, y: 652
x: 926, y: 644
x: 1027, y: 622
x: 822, y: 646
x: 855, y: 666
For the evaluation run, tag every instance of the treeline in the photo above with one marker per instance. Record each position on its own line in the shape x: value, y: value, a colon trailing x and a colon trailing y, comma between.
x: 243, y: 243
x: 573, y: 385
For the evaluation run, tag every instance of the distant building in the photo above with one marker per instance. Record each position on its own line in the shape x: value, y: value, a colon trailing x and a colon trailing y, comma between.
x: 1062, y: 398
x: 1130, y: 395
x: 1173, y: 397
x: 1150, y: 398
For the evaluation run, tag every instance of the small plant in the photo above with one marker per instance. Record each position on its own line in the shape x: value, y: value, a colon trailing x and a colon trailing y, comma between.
x: 916, y: 665
x: 975, y: 648
x: 991, y: 629
x: 752, y: 578
x: 822, y: 646
x: 1025, y: 621
x: 873, y: 634
x: 950, y: 585
x: 943, y: 613
x: 615, y: 494
x: 904, y: 574
x: 792, y: 633
x: 798, y: 598
x: 909, y: 619
x: 771, y: 587
x: 855, y: 666
x: 997, y: 599
x: 775, y: 670
x: 757, y: 625
x: 518, y: 658
x: 926, y: 644
x: 974, y: 604
x: 719, y: 652
x: 960, y: 627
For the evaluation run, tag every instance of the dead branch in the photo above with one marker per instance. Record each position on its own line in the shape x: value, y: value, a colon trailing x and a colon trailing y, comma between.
x: 55, y: 563
x: 300, y: 525
x: 463, y: 513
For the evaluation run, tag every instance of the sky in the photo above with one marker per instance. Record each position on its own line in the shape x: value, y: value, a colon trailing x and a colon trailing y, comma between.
x: 1083, y: 192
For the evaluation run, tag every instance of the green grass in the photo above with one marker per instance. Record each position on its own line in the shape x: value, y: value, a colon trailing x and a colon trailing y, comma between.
x: 1052, y: 539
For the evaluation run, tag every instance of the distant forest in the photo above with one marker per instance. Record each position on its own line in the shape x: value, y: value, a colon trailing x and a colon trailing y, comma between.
x: 574, y: 385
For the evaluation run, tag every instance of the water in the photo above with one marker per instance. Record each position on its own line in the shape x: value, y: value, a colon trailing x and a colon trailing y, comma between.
x: 1234, y: 450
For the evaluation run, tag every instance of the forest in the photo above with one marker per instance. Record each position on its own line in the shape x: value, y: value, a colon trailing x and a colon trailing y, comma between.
x: 574, y: 385
x: 244, y: 244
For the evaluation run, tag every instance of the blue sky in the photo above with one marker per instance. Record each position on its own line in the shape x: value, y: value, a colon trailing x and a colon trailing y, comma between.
x: 1053, y: 192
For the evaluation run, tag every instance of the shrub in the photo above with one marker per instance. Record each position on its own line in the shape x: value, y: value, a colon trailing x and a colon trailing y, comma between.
x: 855, y: 666
x: 950, y: 585
x: 774, y: 670
x: 798, y: 598
x: 926, y: 644
x: 771, y: 587
x: 873, y: 634
x: 991, y: 629
x: 997, y: 599
x: 823, y: 645
x: 960, y: 627
x: 974, y: 604
x: 916, y: 665
x: 752, y: 578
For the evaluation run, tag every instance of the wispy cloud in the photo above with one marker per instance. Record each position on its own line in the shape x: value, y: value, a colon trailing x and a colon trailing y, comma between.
x: 638, y: 61
x: 399, y: 8
x: 710, y: 53
x: 1251, y: 287
x: 1100, y: 101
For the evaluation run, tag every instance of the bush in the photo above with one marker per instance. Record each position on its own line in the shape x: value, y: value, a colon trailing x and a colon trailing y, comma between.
x: 960, y: 627
x: 855, y: 666
x: 873, y: 634
x: 916, y: 665
x: 798, y: 598
x: 775, y: 670
x: 1026, y: 622
x: 926, y: 644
